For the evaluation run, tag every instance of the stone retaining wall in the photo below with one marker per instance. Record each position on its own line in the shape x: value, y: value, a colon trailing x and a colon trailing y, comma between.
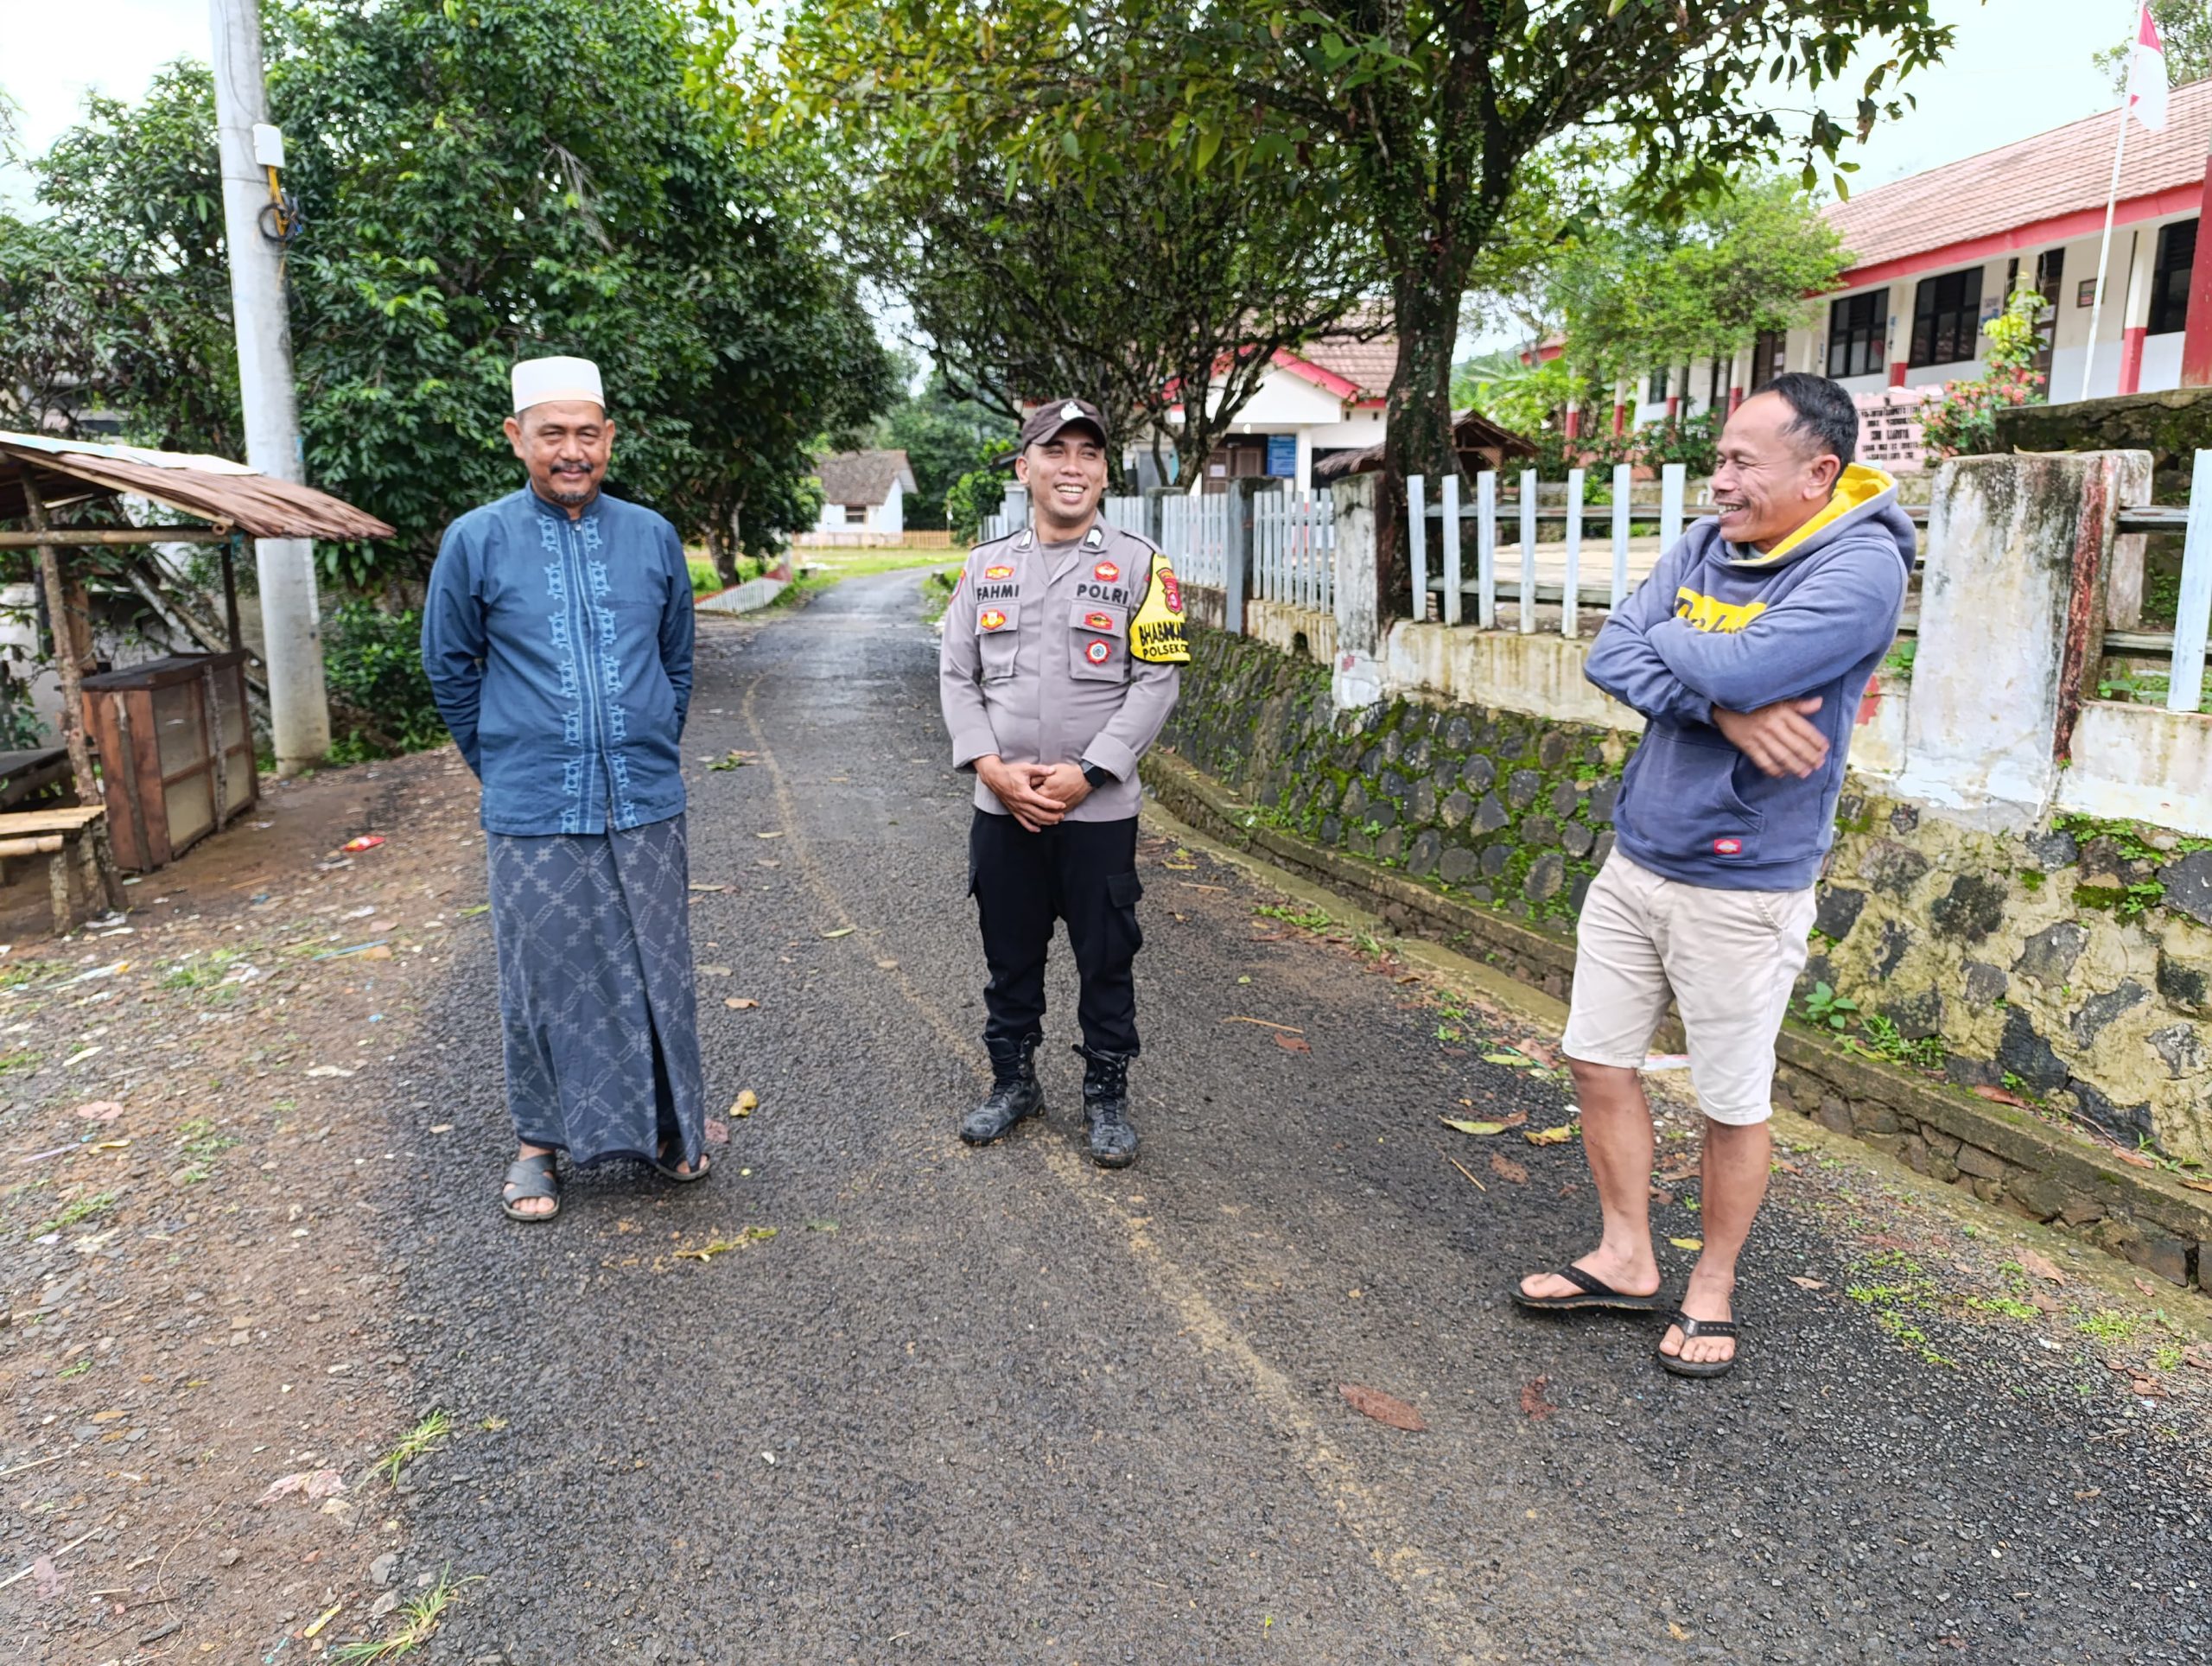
x: 2069, y: 967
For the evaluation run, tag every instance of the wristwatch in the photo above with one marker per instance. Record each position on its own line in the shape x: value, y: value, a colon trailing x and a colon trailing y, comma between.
x: 1098, y: 777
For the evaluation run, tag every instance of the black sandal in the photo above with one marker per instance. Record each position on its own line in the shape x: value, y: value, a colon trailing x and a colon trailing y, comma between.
x: 531, y: 1177
x: 1696, y: 1327
x: 668, y: 1170
x: 1591, y: 1292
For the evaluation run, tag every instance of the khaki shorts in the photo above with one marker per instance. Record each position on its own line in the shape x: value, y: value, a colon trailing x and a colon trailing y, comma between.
x: 1729, y: 960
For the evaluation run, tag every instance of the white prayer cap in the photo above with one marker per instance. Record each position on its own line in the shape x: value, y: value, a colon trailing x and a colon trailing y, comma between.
x: 537, y: 381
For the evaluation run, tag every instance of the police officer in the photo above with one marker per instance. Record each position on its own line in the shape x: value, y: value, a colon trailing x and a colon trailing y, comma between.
x: 1062, y: 645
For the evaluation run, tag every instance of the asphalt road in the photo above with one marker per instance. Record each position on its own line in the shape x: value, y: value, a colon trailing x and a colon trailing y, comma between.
x: 998, y: 1406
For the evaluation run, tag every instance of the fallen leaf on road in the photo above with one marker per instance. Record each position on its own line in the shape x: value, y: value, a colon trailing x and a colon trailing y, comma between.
x: 741, y: 1003
x: 329, y: 1070
x: 1466, y: 1127
x: 2088, y: 1494
x: 1688, y: 1243
x: 1385, y: 1409
x: 101, y: 1110
x: 486, y: 908
x: 1290, y: 1043
x: 442, y: 1128
x: 777, y: 834
x: 697, y: 886
x: 1676, y: 1632
x: 843, y: 931
x: 2148, y: 1388
x: 2037, y: 1265
x: 1504, y: 1059
x: 1686, y: 1170
x: 1266, y: 1024
x: 714, y: 1247
x: 2200, y: 1362
x: 50, y: 1581
x: 1505, y: 1168
x: 2146, y: 1286
x: 309, y: 1484
x: 887, y: 965
x: 2002, y: 1096
x: 1558, y: 1136
x: 1804, y: 1283
x: 1662, y: 1197
x: 2195, y: 1186
x: 717, y: 1133
x: 1533, y: 1400
x: 1180, y: 867
x: 1535, y: 1050
x: 714, y: 972
x: 767, y: 861
x: 747, y: 1102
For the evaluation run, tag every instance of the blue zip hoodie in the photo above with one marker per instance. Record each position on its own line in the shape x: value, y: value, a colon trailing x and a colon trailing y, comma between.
x: 1719, y: 624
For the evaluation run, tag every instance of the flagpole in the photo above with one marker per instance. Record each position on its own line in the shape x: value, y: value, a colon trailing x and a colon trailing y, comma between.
x: 2104, y: 251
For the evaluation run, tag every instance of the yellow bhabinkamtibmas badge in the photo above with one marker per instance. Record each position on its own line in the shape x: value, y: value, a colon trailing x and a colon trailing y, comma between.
x: 1156, y: 635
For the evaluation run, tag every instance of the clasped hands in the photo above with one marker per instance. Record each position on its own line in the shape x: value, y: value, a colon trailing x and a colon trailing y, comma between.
x: 1776, y: 737
x: 1038, y: 796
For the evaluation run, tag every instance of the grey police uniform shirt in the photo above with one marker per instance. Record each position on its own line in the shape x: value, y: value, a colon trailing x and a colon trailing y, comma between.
x: 1038, y: 666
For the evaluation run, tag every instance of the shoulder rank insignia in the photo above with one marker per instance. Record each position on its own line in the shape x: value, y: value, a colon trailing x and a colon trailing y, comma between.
x: 1156, y: 635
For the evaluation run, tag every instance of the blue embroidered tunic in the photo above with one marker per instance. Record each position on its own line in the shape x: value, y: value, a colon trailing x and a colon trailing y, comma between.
x: 559, y: 652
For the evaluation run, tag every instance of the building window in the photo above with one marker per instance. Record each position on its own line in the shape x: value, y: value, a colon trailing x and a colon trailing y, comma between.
x: 2170, y: 276
x: 856, y: 514
x: 1856, y: 327
x: 1655, y: 392
x: 1768, y: 354
x: 1946, y: 318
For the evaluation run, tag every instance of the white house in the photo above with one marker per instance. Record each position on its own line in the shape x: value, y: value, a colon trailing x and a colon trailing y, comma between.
x: 1319, y: 399
x: 864, y: 498
x: 1936, y: 254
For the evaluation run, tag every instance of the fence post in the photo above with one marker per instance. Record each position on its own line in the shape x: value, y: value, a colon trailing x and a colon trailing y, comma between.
x: 1672, y: 479
x: 2185, y: 680
x: 1155, y: 512
x: 1571, y: 598
x: 2011, y: 625
x: 1624, y: 499
x: 1236, y: 555
x: 1528, y: 604
x: 1417, y: 538
x: 1452, y: 598
x: 1486, y: 548
x: 1356, y: 679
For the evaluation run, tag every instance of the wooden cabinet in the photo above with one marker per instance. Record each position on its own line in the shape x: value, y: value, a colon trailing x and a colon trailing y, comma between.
x: 176, y: 753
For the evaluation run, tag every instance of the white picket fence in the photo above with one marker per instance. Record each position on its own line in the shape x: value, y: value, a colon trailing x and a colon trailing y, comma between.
x: 2193, y: 615
x: 1294, y: 549
x: 1520, y: 583
x: 1128, y: 513
x: 1194, y: 537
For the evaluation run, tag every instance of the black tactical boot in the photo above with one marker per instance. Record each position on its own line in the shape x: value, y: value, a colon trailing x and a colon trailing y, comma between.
x: 1113, y: 1137
x: 1015, y: 1092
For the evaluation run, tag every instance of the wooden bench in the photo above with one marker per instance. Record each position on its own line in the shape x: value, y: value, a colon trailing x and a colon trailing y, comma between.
x: 52, y: 833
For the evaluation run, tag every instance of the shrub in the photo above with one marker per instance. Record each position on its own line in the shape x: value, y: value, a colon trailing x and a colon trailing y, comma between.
x: 1962, y: 419
x: 380, y: 703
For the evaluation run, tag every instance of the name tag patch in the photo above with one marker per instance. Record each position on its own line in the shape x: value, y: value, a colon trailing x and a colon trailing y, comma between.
x: 997, y: 592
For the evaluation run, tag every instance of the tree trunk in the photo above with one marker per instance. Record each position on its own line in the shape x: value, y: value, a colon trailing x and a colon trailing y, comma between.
x: 721, y: 544
x: 1418, y: 440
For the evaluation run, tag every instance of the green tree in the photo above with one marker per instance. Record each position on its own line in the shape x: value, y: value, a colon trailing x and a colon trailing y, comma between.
x: 942, y: 435
x: 1418, y: 119
x: 2186, y: 31
x: 480, y: 182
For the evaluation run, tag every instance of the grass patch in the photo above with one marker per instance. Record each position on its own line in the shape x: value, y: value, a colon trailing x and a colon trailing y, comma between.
x: 14, y: 1061
x: 197, y: 972
x: 2109, y: 1329
x: 83, y: 1210
x: 1895, y: 1288
x: 424, y: 1436
x: 419, y: 1618
x: 1310, y: 920
x: 200, y: 1145
x: 819, y: 570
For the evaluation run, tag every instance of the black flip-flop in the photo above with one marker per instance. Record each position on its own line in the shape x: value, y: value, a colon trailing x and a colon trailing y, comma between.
x: 1590, y: 1291
x: 531, y: 1177
x: 668, y: 1171
x: 1692, y: 1328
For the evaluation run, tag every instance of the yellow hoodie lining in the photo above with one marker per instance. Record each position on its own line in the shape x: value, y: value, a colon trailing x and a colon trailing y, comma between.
x: 1855, y: 487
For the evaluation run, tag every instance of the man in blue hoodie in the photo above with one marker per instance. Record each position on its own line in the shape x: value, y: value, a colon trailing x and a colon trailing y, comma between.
x: 1747, y: 650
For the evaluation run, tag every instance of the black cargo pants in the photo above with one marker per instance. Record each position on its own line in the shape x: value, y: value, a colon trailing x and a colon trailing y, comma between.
x: 1084, y: 873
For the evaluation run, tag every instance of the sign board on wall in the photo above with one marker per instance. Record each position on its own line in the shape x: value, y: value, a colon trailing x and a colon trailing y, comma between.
x: 1282, y: 456
x: 1889, y: 429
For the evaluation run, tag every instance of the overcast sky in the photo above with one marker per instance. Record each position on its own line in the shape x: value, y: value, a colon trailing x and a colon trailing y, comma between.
x: 2019, y: 67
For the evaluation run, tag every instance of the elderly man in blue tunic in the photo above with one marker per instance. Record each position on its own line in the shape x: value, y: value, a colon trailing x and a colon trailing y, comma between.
x: 557, y: 637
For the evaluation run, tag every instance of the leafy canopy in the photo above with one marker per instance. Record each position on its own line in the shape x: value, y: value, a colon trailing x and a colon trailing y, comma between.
x: 482, y: 181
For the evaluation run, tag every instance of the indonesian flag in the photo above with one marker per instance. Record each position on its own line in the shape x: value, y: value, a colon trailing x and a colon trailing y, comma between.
x: 2146, y: 73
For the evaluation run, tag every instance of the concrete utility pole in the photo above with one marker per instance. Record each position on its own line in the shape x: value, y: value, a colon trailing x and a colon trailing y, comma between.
x: 290, y: 620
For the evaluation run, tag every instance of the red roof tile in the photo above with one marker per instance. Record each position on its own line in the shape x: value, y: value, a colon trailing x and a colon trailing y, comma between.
x: 2066, y: 170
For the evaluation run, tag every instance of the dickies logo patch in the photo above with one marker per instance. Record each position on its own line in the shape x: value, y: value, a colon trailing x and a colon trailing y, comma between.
x: 1098, y: 653
x: 991, y: 619
x: 1727, y: 847
x: 1106, y: 573
x: 998, y: 572
x: 1099, y: 622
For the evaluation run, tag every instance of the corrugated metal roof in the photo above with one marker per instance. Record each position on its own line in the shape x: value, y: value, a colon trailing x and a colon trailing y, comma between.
x: 2065, y: 171
x: 70, y: 471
